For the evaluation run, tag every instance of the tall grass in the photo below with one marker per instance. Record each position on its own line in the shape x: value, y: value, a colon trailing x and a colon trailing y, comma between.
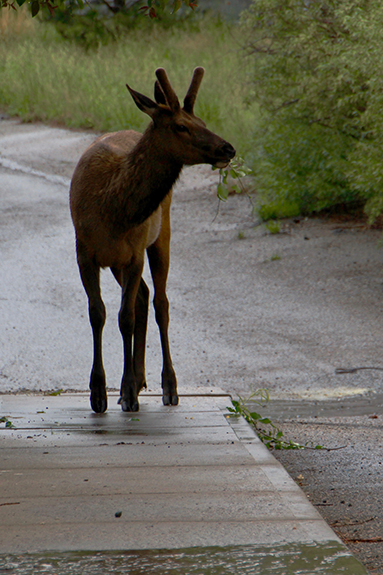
x: 42, y: 77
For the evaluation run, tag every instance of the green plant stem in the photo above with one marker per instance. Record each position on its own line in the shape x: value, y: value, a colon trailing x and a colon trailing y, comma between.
x: 269, y: 433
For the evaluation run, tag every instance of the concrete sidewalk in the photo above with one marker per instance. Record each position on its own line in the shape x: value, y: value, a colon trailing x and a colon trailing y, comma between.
x: 164, y: 478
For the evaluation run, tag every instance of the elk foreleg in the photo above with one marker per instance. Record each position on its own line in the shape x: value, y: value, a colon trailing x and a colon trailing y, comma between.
x: 90, y: 276
x: 131, y: 277
x: 158, y: 255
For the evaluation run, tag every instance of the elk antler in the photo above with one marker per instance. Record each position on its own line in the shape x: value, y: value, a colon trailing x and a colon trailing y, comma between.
x: 167, y: 89
x: 159, y: 95
x: 193, y: 90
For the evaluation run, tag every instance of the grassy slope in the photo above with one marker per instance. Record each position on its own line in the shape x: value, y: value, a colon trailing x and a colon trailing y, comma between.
x: 45, y: 78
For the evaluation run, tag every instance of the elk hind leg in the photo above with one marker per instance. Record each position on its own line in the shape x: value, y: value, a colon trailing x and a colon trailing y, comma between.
x: 140, y: 327
x: 139, y: 340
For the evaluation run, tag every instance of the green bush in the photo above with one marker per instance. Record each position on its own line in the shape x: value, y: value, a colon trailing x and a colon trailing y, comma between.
x: 299, y: 168
x: 318, y: 79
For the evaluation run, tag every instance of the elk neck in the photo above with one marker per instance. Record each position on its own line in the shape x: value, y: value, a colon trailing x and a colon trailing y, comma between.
x: 147, y: 175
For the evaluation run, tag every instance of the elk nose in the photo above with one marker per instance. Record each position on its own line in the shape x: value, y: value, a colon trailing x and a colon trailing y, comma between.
x: 227, y: 150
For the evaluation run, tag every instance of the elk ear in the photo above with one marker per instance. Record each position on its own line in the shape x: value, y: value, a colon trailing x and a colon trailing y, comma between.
x: 144, y: 103
x: 159, y: 95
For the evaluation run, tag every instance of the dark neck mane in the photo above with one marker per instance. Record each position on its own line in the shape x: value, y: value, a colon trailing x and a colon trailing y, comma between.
x: 147, y: 175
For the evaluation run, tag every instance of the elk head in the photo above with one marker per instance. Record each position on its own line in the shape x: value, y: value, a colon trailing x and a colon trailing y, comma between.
x: 177, y: 129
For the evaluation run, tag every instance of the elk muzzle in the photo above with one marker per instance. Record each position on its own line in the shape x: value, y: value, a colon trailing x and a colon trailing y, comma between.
x: 224, y: 154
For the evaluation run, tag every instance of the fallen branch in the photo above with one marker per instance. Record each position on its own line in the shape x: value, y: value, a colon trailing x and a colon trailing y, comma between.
x: 352, y: 523
x: 363, y: 540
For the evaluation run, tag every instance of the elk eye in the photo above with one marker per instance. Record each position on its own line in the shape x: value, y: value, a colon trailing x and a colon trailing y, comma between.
x: 181, y: 128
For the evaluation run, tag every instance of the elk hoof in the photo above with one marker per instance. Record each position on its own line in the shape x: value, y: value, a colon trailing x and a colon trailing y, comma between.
x: 168, y: 399
x: 128, y: 406
x: 99, y: 403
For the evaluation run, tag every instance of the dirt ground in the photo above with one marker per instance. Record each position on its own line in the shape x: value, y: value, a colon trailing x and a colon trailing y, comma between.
x: 344, y: 482
x: 249, y: 309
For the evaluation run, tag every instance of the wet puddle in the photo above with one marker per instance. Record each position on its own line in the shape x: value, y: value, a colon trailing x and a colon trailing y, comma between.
x: 298, y: 559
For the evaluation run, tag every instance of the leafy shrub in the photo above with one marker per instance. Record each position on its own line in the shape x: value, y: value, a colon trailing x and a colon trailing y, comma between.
x: 317, y: 77
x: 103, y: 22
x: 300, y: 168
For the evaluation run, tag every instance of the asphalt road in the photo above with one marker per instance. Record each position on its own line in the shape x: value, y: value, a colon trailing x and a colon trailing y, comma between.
x: 248, y: 310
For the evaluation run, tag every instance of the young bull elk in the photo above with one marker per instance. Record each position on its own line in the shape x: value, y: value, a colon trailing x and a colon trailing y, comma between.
x: 120, y: 204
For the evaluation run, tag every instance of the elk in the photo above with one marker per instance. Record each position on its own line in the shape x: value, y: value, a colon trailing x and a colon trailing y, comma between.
x: 120, y: 200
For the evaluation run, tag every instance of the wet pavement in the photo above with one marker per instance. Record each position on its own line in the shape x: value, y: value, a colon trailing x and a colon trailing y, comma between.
x: 240, y: 318
x: 305, y: 559
x: 163, y: 478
